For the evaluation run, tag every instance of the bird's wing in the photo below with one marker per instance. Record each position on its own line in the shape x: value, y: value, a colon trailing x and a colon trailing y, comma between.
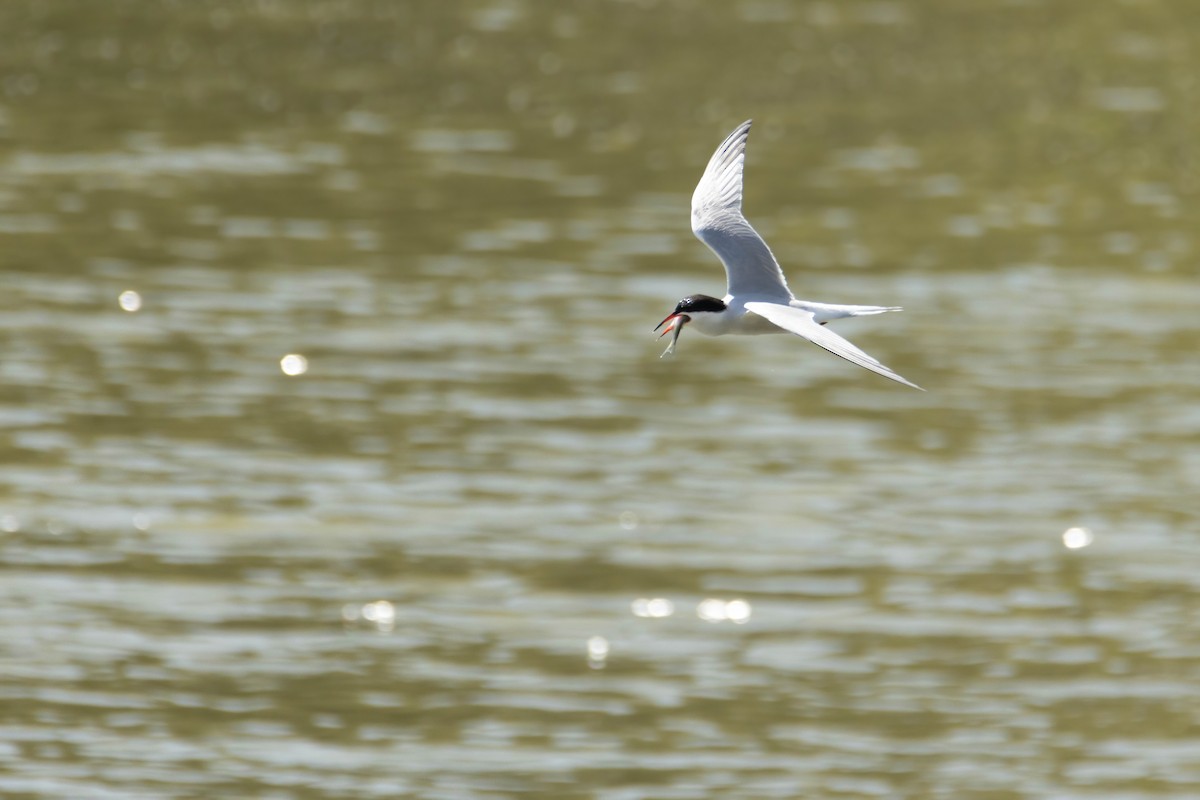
x: 801, y: 323
x: 718, y: 222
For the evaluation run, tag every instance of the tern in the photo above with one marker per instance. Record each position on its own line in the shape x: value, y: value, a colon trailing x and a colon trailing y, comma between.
x: 757, y: 299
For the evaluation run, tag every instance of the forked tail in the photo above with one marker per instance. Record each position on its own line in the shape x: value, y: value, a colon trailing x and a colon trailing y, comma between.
x: 823, y: 312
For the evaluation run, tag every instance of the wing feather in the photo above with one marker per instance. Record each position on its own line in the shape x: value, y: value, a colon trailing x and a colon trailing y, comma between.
x: 717, y: 220
x: 801, y: 323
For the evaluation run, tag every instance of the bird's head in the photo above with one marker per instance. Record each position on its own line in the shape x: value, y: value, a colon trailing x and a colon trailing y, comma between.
x: 686, y: 310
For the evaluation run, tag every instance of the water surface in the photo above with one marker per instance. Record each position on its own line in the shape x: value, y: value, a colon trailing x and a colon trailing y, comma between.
x: 487, y: 544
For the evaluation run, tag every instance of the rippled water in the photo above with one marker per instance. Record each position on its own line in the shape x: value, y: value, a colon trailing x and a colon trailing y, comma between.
x: 338, y: 459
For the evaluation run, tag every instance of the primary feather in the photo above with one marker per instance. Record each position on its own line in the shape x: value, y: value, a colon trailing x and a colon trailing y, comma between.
x: 802, y: 323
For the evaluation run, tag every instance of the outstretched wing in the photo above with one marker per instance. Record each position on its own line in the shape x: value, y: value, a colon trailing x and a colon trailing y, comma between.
x: 717, y: 221
x: 801, y: 323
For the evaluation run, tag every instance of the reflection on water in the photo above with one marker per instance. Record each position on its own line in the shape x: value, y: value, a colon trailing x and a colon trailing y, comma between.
x: 1075, y: 538
x: 293, y: 364
x: 370, y: 482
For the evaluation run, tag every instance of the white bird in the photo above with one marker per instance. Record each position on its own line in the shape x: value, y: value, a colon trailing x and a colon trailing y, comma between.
x: 757, y: 299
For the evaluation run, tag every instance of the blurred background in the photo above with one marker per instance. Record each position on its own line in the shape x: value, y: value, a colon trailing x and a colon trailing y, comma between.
x: 337, y: 458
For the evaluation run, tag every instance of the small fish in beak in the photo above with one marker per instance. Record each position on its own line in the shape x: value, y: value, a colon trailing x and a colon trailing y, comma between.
x: 674, y: 322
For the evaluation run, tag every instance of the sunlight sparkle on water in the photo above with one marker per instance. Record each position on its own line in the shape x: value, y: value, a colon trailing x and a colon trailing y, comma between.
x: 737, y: 611
x: 293, y: 364
x: 653, y: 608
x: 130, y: 300
x: 714, y: 610
x: 597, y: 650
x: 1075, y: 538
x: 381, y: 614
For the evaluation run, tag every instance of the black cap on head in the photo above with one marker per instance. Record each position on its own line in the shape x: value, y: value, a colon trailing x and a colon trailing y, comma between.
x: 699, y: 302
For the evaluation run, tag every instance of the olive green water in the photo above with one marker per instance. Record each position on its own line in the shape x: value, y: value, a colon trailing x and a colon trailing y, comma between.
x: 488, y: 545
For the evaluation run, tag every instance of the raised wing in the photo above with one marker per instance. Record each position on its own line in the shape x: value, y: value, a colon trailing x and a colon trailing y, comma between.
x: 717, y: 221
x: 801, y: 323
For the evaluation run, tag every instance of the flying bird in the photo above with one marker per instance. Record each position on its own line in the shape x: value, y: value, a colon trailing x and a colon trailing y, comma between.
x: 757, y: 299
